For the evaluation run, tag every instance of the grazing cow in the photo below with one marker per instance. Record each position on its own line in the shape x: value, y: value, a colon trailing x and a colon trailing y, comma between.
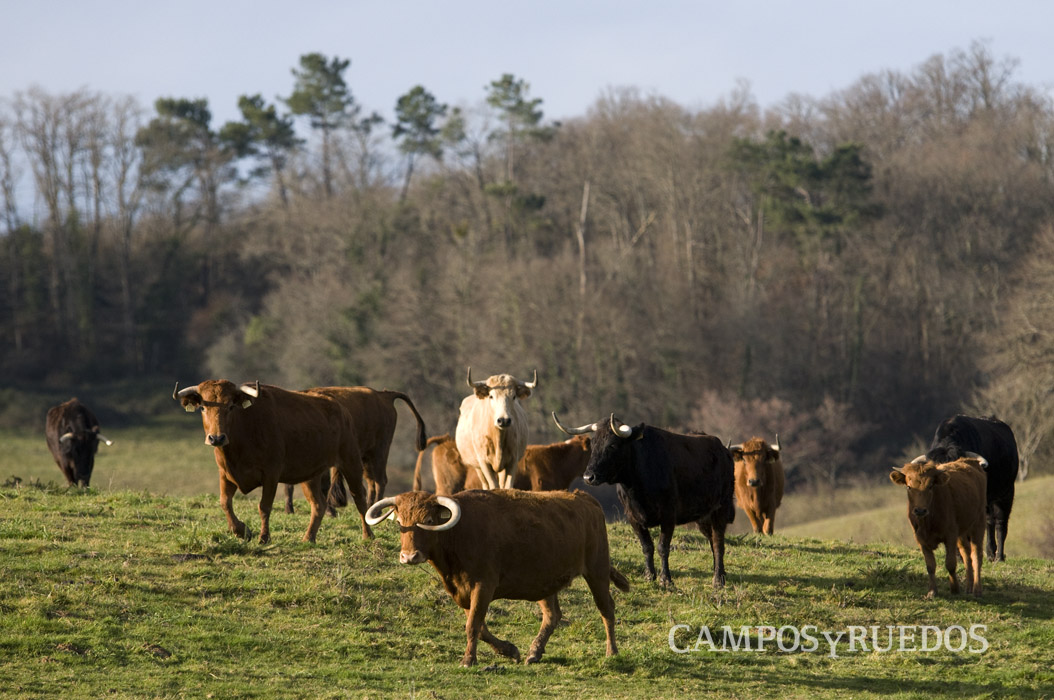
x: 508, y: 544
x: 72, y: 434
x: 664, y: 479
x: 946, y: 505
x: 264, y: 435
x: 759, y: 481
x: 543, y: 467
x: 964, y: 436
x: 374, y: 417
x: 492, y: 429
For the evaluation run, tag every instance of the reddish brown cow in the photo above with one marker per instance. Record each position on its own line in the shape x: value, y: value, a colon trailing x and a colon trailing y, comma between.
x: 759, y: 481
x: 508, y: 544
x: 263, y: 435
x: 946, y: 505
x: 374, y: 418
x: 543, y: 467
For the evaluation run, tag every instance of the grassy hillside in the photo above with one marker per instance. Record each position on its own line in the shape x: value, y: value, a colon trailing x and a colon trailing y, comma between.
x: 128, y: 595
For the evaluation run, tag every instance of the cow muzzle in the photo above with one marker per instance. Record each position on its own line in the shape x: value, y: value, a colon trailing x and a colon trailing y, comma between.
x: 753, y: 482
x: 921, y: 512
x: 503, y: 422
x: 216, y: 440
x: 414, y: 557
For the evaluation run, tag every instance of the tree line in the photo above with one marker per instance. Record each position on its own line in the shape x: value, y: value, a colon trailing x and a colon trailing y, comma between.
x: 844, y: 270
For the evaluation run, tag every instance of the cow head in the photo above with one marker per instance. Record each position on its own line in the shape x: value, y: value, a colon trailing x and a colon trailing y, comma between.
x: 421, y: 516
x: 80, y: 445
x: 751, y: 457
x: 219, y: 402
x: 920, y: 478
x: 609, y: 458
x: 501, y: 391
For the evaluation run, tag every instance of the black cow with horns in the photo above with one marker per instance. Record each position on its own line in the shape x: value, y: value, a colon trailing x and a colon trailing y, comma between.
x: 72, y: 434
x: 664, y: 479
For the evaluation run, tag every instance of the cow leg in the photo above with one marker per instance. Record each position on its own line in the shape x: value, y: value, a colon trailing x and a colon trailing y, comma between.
x: 931, y: 569
x: 990, y: 547
x: 755, y: 521
x: 770, y: 524
x: 648, y: 547
x: 270, y: 488
x: 665, y: 537
x: 975, y: 550
x: 476, y: 614
x: 288, y: 498
x: 600, y: 586
x: 951, y: 560
x: 998, y: 521
x: 550, y: 617
x: 314, y: 495
x: 487, y: 477
x: 351, y: 470
x: 227, y: 490
x: 507, y: 649
x: 717, y: 549
x: 964, y: 553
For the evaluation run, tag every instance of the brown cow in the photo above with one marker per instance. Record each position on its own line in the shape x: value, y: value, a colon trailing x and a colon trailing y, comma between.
x: 946, y: 505
x: 374, y: 417
x: 492, y: 430
x: 508, y: 544
x: 263, y: 435
x: 72, y: 433
x: 759, y: 481
x: 543, y: 468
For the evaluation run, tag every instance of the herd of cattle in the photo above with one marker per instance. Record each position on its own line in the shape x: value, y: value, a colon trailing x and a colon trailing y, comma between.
x: 501, y: 523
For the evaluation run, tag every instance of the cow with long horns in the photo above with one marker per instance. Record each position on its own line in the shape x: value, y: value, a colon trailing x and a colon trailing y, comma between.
x: 72, y: 433
x: 492, y: 430
x: 664, y: 479
x: 263, y: 435
x: 759, y: 481
x: 508, y: 544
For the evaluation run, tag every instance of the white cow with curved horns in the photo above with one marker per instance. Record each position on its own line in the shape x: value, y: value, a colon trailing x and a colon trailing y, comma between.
x: 492, y: 429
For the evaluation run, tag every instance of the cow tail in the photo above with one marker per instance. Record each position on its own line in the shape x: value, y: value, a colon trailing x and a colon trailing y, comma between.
x: 620, y: 581
x: 338, y: 494
x: 422, y: 436
x: 421, y: 457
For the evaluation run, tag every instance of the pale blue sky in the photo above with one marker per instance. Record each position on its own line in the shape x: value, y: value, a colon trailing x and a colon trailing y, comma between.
x: 570, y: 51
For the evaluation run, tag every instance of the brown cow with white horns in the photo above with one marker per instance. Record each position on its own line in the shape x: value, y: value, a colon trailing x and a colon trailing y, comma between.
x: 946, y: 505
x: 550, y: 467
x: 508, y: 544
x: 759, y: 481
x: 492, y: 430
x: 264, y: 435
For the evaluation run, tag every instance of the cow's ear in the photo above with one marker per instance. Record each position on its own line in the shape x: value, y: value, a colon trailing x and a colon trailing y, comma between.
x: 522, y: 391
x: 482, y: 391
x: 638, y: 432
x: 897, y: 477
x: 191, y: 402
x: 244, y: 400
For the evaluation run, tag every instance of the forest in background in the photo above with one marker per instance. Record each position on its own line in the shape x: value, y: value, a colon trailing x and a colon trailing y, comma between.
x: 844, y: 270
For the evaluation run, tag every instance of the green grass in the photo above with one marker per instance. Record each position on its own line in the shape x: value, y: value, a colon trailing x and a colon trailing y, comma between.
x: 130, y: 595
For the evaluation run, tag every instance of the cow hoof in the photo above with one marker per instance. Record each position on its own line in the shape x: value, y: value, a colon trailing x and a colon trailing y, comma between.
x: 468, y: 661
x: 248, y: 534
x: 533, y: 659
x: 930, y: 595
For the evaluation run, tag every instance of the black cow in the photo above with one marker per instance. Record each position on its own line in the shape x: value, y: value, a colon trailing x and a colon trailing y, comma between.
x: 964, y: 436
x: 72, y: 433
x: 664, y: 479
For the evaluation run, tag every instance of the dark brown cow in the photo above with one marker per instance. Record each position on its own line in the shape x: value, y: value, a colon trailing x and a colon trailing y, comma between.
x: 72, y: 434
x: 264, y: 435
x: 759, y: 481
x: 946, y: 505
x: 374, y: 416
x: 508, y: 544
x: 550, y: 467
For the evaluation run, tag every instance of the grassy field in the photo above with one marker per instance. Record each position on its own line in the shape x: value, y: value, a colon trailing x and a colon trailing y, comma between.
x: 129, y: 595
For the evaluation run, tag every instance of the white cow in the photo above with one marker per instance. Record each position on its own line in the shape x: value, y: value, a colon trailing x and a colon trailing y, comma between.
x: 492, y: 430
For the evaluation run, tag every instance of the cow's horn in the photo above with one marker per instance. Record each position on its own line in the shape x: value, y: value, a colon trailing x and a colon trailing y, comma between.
x: 252, y: 390
x: 735, y: 448
x: 105, y: 439
x: 181, y: 393
x: 455, y: 515
x: 979, y: 458
x: 532, y: 384
x: 66, y: 437
x: 588, y: 428
x: 623, y: 430
x: 777, y: 445
x: 919, y: 460
x: 472, y: 384
x: 374, y: 514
